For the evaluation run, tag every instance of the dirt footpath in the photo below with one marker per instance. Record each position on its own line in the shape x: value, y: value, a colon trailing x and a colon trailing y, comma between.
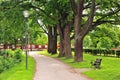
x: 51, y: 69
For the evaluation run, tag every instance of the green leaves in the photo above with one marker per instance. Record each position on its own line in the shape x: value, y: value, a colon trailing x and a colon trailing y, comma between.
x: 50, y: 12
x: 9, y: 58
x: 105, y: 36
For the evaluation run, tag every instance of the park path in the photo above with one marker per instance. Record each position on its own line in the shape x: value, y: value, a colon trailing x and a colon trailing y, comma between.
x: 51, y: 69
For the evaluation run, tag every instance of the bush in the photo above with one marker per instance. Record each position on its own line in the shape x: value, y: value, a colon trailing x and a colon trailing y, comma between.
x: 1, y: 64
x: 8, y: 58
x: 9, y: 53
x: 18, y: 55
x: 2, y: 53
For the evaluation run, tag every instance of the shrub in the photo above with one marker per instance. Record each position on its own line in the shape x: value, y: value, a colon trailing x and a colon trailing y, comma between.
x: 8, y: 58
x: 18, y: 55
x: 9, y: 53
x: 1, y: 64
x: 2, y: 52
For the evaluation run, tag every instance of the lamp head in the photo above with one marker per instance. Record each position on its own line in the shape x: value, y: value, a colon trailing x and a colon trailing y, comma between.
x: 26, y: 13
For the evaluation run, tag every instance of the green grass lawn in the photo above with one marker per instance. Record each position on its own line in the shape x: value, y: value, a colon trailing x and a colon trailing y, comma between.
x: 19, y: 72
x: 110, y: 67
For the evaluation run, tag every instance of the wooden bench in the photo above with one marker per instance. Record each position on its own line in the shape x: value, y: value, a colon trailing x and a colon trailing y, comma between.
x: 96, y: 64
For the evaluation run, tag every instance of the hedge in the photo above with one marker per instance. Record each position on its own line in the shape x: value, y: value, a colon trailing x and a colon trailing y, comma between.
x: 105, y: 52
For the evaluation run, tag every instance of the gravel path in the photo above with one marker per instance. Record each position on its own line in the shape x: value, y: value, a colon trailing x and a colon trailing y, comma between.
x: 51, y: 69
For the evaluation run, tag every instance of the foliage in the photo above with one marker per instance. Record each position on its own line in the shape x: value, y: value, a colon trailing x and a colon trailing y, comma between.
x: 103, y: 37
x: 9, y: 58
x: 18, y: 55
x: 12, y: 26
x: 41, y: 40
x: 87, y: 43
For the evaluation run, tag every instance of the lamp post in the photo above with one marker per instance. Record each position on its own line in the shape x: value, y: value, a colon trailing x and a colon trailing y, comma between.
x: 26, y: 15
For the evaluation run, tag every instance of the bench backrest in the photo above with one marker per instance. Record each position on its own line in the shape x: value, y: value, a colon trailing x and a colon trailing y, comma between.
x: 98, y: 61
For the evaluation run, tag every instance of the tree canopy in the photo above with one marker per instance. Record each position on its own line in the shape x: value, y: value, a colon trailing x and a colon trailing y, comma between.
x: 78, y: 17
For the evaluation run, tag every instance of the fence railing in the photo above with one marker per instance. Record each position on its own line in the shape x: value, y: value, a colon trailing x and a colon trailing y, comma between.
x: 30, y: 47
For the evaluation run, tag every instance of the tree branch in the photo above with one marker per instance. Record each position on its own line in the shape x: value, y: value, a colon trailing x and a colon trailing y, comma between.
x: 45, y: 31
x: 34, y: 7
x: 109, y: 14
x: 102, y: 22
x: 88, y: 24
x: 74, y: 6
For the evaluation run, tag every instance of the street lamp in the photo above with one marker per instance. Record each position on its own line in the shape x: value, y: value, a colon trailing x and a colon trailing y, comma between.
x: 26, y: 15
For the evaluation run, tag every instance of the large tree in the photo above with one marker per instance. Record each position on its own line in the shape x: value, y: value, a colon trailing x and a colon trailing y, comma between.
x: 81, y: 30
x: 84, y: 13
x: 64, y: 26
x: 57, y: 18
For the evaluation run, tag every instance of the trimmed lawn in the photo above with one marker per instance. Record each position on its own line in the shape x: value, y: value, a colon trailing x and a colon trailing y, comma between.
x: 110, y: 66
x: 19, y: 72
x: 110, y: 69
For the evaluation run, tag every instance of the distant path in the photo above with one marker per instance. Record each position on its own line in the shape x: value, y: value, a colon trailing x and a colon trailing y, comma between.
x: 51, y: 69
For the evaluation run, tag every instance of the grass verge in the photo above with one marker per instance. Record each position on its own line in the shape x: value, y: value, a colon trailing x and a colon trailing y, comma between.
x: 110, y: 67
x: 19, y: 72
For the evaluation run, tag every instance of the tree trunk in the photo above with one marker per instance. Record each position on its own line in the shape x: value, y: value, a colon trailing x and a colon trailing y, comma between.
x: 52, y: 40
x: 61, y: 32
x: 49, y: 39
x: 62, y: 52
x: 67, y: 43
x: 78, y: 57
